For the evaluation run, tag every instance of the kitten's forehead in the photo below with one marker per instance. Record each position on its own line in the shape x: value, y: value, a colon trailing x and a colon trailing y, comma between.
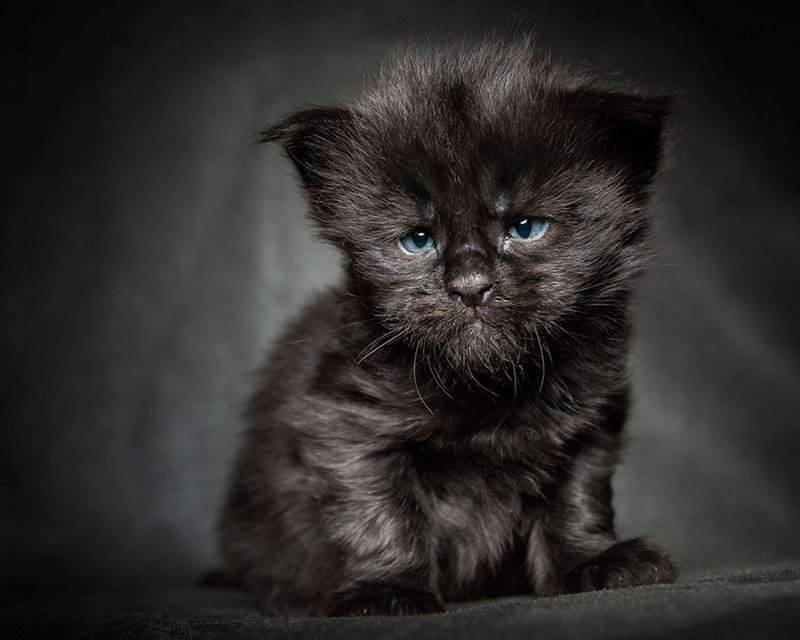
x: 460, y: 151
x: 467, y: 216
x: 501, y: 202
x: 498, y: 132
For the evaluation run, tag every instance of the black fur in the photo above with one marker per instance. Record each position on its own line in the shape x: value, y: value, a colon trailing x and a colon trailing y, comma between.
x: 444, y: 425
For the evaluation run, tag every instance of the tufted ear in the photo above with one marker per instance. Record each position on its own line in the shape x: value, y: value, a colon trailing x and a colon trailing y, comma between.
x: 313, y: 139
x: 631, y: 129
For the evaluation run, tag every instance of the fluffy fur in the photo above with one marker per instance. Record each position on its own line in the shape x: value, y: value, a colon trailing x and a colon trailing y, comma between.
x: 444, y: 424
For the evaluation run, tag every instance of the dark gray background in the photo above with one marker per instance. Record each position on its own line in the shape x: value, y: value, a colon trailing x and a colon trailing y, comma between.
x: 150, y: 254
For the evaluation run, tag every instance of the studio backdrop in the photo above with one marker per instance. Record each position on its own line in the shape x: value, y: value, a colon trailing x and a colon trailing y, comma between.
x: 151, y: 252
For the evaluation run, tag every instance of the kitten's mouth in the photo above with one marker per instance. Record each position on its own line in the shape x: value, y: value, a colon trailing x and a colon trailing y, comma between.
x: 479, y: 316
x: 480, y: 321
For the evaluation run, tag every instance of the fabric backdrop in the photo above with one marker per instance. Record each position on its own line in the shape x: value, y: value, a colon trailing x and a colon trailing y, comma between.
x: 150, y: 253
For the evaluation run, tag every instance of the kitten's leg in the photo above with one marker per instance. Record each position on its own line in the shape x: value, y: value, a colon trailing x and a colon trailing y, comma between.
x: 378, y: 599
x: 385, y: 542
x: 572, y: 545
x: 628, y: 563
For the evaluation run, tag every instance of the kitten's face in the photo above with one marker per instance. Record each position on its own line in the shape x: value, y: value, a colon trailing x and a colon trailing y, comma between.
x: 476, y: 264
x: 476, y: 222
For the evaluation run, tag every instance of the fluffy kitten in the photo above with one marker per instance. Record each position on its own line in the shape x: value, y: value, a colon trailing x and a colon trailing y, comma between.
x: 445, y: 423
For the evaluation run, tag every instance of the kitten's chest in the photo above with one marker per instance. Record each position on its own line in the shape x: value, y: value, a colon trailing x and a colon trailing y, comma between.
x: 477, y: 522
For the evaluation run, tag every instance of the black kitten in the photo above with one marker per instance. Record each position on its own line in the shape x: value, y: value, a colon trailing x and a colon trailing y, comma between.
x: 444, y: 425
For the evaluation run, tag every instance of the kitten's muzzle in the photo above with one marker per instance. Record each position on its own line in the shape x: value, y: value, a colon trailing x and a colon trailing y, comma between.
x: 473, y: 289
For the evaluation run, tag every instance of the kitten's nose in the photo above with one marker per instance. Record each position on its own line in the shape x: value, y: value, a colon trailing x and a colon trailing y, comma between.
x: 473, y: 289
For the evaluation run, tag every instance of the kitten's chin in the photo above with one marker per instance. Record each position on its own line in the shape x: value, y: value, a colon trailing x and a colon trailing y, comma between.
x: 479, y: 327
x: 481, y: 346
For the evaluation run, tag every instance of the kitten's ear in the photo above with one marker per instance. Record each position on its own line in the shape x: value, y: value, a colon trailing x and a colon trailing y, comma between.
x: 632, y: 130
x: 312, y: 139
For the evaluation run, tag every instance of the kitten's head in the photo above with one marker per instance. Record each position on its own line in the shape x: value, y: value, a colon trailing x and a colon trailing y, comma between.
x: 483, y: 198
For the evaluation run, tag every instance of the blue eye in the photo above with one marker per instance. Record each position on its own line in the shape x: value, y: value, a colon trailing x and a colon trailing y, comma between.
x: 528, y: 229
x: 417, y: 242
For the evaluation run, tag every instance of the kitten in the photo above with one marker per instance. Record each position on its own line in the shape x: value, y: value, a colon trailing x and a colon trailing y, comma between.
x: 445, y: 423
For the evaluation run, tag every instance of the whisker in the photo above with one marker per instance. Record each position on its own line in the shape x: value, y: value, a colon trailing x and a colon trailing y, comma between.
x: 549, y: 354
x: 478, y: 382
x: 416, y: 386
x: 386, y: 339
x: 322, y: 335
x: 437, y: 377
x: 514, y: 370
x: 541, y: 353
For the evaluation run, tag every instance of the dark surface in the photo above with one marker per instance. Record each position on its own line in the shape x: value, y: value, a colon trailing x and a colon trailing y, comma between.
x: 760, y: 603
x: 149, y: 253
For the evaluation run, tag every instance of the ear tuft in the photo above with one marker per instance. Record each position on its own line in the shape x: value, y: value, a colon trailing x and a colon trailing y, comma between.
x: 632, y: 130
x: 310, y: 138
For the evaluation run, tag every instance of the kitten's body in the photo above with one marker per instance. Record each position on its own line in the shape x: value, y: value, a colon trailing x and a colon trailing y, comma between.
x: 446, y: 423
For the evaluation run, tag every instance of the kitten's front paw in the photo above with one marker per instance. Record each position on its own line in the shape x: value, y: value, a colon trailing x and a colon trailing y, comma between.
x: 626, y: 564
x: 382, y: 600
